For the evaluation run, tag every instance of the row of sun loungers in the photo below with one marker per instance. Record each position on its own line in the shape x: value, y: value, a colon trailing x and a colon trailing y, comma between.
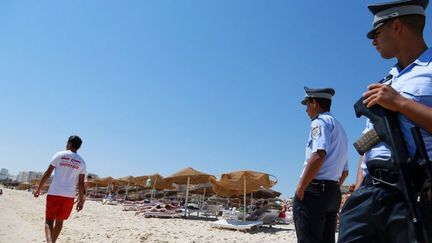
x: 233, y: 222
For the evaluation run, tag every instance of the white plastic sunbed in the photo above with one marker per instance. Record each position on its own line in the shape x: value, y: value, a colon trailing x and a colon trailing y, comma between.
x: 236, y: 224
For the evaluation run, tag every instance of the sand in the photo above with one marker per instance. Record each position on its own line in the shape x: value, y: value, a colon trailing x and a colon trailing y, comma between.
x: 22, y: 220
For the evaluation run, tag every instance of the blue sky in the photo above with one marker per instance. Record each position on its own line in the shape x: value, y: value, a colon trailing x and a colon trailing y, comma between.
x: 157, y: 86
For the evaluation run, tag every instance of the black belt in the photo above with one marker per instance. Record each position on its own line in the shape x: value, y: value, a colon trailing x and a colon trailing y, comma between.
x: 380, y: 178
x: 324, y: 182
x: 381, y: 172
x: 367, y: 181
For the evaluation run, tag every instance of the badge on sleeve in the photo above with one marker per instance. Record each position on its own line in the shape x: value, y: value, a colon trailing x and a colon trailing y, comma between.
x: 316, y: 132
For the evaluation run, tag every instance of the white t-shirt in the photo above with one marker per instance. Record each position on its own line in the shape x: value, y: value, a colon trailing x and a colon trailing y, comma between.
x: 68, y: 166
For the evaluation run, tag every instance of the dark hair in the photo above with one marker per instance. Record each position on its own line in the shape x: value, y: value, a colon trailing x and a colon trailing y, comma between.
x: 75, y: 141
x: 323, y: 103
x: 414, y: 22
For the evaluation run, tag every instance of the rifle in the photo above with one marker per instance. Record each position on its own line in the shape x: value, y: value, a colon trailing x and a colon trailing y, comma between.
x: 414, y: 188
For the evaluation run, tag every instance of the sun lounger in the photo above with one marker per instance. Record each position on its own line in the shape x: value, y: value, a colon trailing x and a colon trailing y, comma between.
x: 109, y: 202
x: 173, y: 214
x: 135, y: 206
x: 205, y: 210
x: 161, y: 211
x: 236, y: 224
x: 269, y: 218
x: 130, y: 208
x: 96, y: 199
x: 211, y: 210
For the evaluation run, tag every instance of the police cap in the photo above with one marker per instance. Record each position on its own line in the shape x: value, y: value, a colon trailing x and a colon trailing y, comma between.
x: 385, y: 11
x: 326, y: 93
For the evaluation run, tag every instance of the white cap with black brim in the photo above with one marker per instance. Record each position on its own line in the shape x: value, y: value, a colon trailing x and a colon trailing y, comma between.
x: 325, y: 93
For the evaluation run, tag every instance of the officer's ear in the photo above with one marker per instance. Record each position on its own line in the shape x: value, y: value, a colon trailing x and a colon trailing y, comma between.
x: 314, y: 103
x: 396, y: 26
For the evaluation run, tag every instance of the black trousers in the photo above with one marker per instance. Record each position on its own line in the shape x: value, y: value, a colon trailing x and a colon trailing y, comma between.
x: 315, y: 216
x: 374, y: 213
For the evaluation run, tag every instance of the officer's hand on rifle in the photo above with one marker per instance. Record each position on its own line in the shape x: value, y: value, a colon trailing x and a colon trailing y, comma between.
x: 390, y: 99
x: 384, y: 95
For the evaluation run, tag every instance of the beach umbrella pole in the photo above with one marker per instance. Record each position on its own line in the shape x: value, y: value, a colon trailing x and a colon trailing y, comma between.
x: 251, y: 200
x: 187, y: 195
x: 127, y: 189
x: 202, y: 201
x: 153, y: 190
x: 244, y: 188
x: 204, y: 194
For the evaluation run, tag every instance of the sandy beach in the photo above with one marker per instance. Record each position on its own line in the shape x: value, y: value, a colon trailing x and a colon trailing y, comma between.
x: 22, y: 220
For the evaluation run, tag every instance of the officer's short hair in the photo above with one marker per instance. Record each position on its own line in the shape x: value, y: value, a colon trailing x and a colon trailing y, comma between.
x: 75, y: 141
x: 325, y: 104
x: 416, y: 23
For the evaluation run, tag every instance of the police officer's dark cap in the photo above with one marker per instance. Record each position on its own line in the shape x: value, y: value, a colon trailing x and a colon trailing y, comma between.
x: 326, y: 93
x: 385, y: 11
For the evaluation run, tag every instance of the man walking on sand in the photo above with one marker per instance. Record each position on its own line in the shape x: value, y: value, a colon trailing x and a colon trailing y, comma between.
x: 70, y: 169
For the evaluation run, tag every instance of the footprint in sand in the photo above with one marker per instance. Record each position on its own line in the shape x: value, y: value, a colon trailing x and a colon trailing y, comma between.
x: 145, y: 237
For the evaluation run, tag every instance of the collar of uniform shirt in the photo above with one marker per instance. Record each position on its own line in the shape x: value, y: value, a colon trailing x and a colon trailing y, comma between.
x: 325, y: 112
x: 425, y: 58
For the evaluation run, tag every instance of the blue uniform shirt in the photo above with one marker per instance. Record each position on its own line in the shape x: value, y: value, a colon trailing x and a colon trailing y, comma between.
x: 414, y: 82
x: 327, y: 134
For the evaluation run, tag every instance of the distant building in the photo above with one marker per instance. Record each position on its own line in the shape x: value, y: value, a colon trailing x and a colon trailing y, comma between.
x: 27, y: 176
x: 22, y: 176
x: 4, y: 174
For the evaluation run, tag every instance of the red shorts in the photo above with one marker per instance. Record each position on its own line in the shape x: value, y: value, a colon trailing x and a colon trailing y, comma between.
x: 58, y: 207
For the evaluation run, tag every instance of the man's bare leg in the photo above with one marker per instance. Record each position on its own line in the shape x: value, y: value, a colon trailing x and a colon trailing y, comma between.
x: 48, y: 231
x: 57, y: 229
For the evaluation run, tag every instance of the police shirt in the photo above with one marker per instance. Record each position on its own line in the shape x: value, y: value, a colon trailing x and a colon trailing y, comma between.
x: 327, y: 134
x: 414, y: 82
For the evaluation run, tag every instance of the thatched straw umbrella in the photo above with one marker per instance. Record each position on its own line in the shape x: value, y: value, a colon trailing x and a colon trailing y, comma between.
x: 35, y: 182
x: 154, y: 182
x: 189, y: 176
x: 124, y: 181
x: 106, y: 181
x: 242, y: 182
x: 100, y: 182
x: 24, y: 186
x: 202, y: 190
x: 266, y: 193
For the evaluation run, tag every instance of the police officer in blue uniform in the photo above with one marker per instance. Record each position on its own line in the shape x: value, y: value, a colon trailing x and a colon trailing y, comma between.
x: 376, y: 212
x: 318, y: 195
